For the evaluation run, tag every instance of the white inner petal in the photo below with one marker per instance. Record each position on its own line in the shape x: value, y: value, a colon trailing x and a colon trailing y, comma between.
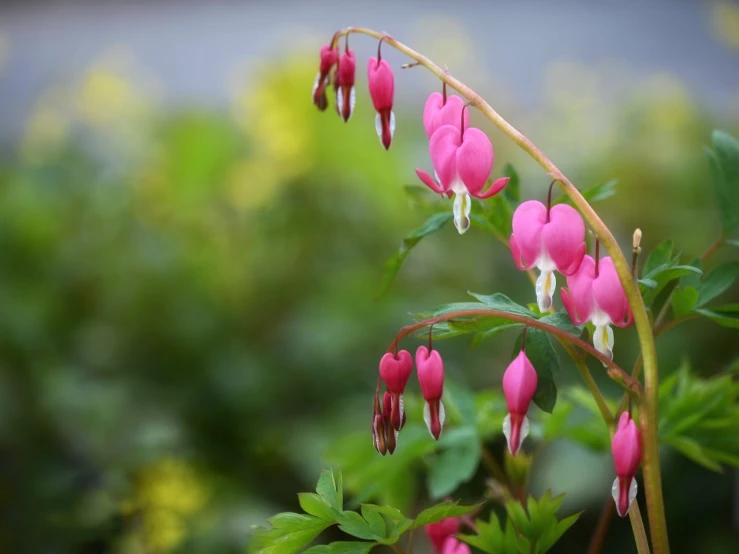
x: 633, y: 489
x: 442, y: 414
x: 615, y: 492
x: 378, y: 125
x: 315, y: 85
x: 462, y: 207
x: 603, y: 340
x: 339, y: 100
x: 545, y: 286
x: 524, y: 430
x: 507, y: 430
x: 427, y: 416
x: 352, y: 101
x: 392, y: 123
x: 544, y: 262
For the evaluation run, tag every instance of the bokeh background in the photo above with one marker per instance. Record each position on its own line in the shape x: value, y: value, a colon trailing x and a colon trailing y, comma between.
x: 190, y: 252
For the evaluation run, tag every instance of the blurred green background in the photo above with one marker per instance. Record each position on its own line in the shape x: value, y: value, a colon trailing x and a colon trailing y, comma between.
x: 189, y: 317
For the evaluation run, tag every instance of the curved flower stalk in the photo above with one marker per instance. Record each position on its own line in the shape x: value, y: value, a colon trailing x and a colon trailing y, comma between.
x: 548, y: 238
x: 595, y: 294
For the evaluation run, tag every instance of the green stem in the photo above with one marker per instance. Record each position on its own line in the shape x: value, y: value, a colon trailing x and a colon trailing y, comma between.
x: 538, y: 324
x: 649, y: 409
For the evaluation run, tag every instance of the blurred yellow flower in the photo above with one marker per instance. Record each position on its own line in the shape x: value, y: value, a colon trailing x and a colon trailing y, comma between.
x: 725, y: 22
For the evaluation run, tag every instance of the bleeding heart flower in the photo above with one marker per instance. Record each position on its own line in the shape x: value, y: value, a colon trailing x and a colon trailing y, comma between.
x: 440, y: 110
x: 594, y: 293
x: 519, y: 386
x: 328, y: 60
x: 391, y: 434
x: 379, y: 425
x: 345, y: 93
x: 430, y: 370
x: 440, y: 531
x: 462, y: 161
x: 395, y: 369
x: 453, y: 546
x: 548, y: 238
x: 382, y: 87
x: 626, y: 450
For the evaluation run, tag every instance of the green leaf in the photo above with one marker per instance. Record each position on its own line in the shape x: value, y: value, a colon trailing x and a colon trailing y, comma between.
x: 539, y: 523
x: 499, y: 301
x: 716, y: 282
x: 561, y: 320
x: 659, y: 277
x: 594, y: 193
x: 342, y: 547
x: 316, y: 505
x: 392, y: 266
x: 660, y: 256
x: 512, y: 190
x: 691, y: 449
x: 374, y: 519
x: 684, y: 300
x: 726, y: 316
x: 289, y: 534
x: 456, y: 464
x: 493, y: 539
x: 724, y: 163
x: 397, y: 523
x: 330, y: 488
x: 498, y: 213
x: 442, y: 511
x: 543, y: 357
x: 493, y: 331
x: 355, y: 525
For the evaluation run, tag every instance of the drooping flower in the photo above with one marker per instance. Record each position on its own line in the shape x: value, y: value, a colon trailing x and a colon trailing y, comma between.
x: 626, y: 450
x: 391, y: 434
x: 329, y: 57
x: 548, y: 238
x: 440, y: 531
x: 430, y: 370
x: 462, y: 160
x: 345, y: 93
x: 382, y: 88
x: 378, y: 425
x: 442, y: 110
x: 594, y: 293
x: 395, y: 369
x: 519, y: 386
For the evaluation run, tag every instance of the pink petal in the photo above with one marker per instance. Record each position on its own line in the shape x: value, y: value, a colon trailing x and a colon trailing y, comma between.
x: 564, y: 237
x: 430, y: 371
x: 626, y: 447
x: 495, y: 187
x: 519, y: 384
x: 608, y: 292
x: 432, y: 107
x: 475, y: 160
x: 580, y: 285
x: 569, y: 304
x: 439, y: 532
x: 516, y: 252
x: 395, y: 369
x: 328, y: 58
x: 381, y: 84
x: 454, y: 546
x: 436, y: 114
x: 443, y: 148
x: 429, y: 181
x: 528, y: 224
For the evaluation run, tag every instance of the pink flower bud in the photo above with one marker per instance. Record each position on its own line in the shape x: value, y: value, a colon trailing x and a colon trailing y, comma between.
x: 395, y: 369
x: 462, y: 161
x: 626, y: 450
x: 548, y: 239
x: 391, y: 431
x: 345, y: 94
x: 594, y: 293
x: 328, y: 60
x: 440, y: 111
x: 430, y: 371
x: 440, y: 531
x: 453, y: 546
x: 519, y: 386
x: 382, y: 87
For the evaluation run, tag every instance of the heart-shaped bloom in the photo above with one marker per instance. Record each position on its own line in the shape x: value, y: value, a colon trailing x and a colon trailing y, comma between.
x: 519, y: 386
x: 594, y: 293
x: 382, y: 87
x: 626, y: 450
x: 395, y: 369
x: 462, y: 161
x: 440, y: 531
x: 548, y: 239
x: 345, y: 93
x: 442, y: 110
x: 430, y: 370
x: 328, y: 60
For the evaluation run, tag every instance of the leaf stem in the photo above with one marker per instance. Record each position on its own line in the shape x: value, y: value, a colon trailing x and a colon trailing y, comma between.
x: 649, y: 412
x: 551, y: 329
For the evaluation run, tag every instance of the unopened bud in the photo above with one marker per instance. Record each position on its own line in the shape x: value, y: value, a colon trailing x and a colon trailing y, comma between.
x: 637, y: 241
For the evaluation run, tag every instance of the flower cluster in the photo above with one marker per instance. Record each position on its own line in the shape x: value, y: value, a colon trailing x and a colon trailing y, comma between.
x: 395, y: 369
x: 381, y: 86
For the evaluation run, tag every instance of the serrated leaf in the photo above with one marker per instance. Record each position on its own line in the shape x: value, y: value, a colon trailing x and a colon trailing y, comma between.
x: 716, y: 282
x: 726, y: 316
x: 683, y: 301
x: 397, y: 523
x: 499, y: 301
x: 543, y: 357
x: 539, y: 523
x: 316, y: 505
x: 494, y: 539
x: 289, y: 534
x: 660, y: 256
x: 392, y: 266
x: 330, y: 487
x: 342, y: 547
x: 442, y: 511
x: 724, y: 163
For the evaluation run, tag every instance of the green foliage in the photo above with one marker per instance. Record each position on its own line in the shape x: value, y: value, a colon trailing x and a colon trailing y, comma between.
x: 577, y: 418
x: 724, y: 162
x: 593, y: 194
x: 392, y: 266
x: 700, y: 417
x: 726, y: 316
x: 660, y: 269
x: 442, y: 511
x: 694, y: 292
x: 533, y: 530
x: 545, y: 360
